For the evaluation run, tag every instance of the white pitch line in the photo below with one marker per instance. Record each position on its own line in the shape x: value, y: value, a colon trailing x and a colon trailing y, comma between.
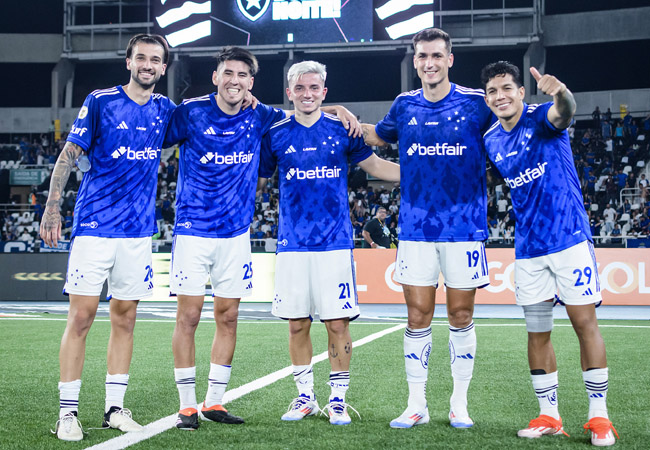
x: 168, y: 422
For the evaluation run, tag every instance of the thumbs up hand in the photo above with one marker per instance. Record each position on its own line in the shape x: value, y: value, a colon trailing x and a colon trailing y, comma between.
x: 548, y: 84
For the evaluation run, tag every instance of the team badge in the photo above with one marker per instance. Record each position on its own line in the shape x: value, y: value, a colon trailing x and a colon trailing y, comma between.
x: 254, y: 9
x: 83, y: 112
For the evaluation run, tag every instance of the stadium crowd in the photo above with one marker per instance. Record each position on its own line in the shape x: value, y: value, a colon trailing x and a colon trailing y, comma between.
x: 611, y: 157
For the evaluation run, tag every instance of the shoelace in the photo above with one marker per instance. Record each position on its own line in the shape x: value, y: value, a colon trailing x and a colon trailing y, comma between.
x: 298, y: 403
x: 547, y: 422
x: 122, y: 412
x: 338, y: 408
x: 600, y: 425
x: 66, y: 422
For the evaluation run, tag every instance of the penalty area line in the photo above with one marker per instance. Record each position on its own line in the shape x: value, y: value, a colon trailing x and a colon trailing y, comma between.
x: 166, y: 423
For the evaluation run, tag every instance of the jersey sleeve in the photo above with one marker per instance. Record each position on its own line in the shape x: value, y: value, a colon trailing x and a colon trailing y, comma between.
x: 177, y: 128
x: 358, y: 150
x: 485, y: 115
x: 540, y: 116
x: 269, y: 116
x: 86, y: 126
x: 268, y: 160
x: 387, y: 127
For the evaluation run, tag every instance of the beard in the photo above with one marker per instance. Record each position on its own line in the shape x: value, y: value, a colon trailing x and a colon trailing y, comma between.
x: 145, y: 84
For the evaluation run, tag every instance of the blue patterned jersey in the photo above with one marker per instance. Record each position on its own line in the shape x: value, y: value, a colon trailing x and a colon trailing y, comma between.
x: 219, y: 161
x: 442, y: 164
x: 535, y: 160
x: 123, y: 140
x: 313, y: 172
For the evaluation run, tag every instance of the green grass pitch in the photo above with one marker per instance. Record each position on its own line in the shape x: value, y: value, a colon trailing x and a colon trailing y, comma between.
x: 501, y: 399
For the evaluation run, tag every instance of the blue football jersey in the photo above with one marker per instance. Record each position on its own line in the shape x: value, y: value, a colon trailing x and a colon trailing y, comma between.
x: 219, y: 161
x: 535, y: 160
x: 123, y: 141
x: 313, y: 172
x: 442, y: 164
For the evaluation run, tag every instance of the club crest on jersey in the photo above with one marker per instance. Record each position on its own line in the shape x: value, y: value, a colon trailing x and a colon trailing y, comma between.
x: 83, y: 112
x: 439, y: 149
x: 235, y: 158
x: 254, y: 9
x: 313, y: 174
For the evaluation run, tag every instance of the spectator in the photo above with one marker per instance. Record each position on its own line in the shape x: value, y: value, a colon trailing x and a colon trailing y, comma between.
x: 375, y: 233
x: 610, y: 217
x: 270, y: 243
x: 596, y: 116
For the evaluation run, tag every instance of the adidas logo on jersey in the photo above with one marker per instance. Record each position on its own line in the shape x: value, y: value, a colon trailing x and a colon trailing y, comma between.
x: 498, y: 158
x: 587, y: 292
x: 136, y: 155
x: 290, y: 150
x: 475, y: 277
x: 235, y: 158
x: 122, y: 126
x: 347, y: 305
x: 250, y: 285
x: 443, y: 149
x: 413, y: 121
x: 210, y: 131
x: 312, y: 174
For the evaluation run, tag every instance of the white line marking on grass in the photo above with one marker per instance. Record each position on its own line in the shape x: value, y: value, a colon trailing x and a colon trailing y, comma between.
x: 168, y: 422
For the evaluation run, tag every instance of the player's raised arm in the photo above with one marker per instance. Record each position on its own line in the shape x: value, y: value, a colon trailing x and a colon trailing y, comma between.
x: 370, y: 136
x: 51, y: 222
x: 564, y: 105
x: 380, y: 168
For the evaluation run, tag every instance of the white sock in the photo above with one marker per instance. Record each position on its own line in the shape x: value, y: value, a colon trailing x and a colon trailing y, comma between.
x: 217, y: 384
x: 339, y: 382
x: 596, y: 382
x: 546, y: 391
x: 186, y: 385
x: 69, y: 397
x: 304, y: 378
x: 417, y: 347
x: 115, y: 390
x: 462, y: 350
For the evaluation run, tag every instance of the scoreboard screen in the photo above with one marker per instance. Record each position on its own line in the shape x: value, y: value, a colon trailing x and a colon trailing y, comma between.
x: 200, y: 23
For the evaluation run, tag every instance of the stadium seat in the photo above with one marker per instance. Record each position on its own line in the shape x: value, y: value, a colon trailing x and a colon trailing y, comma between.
x: 635, y: 206
x: 640, y: 163
x: 625, y: 217
x: 627, y: 169
x: 624, y: 160
x: 3, y: 164
x: 594, y: 207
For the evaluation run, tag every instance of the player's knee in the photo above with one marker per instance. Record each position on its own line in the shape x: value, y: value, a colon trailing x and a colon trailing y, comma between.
x: 460, y: 318
x: 338, y: 327
x: 188, y: 318
x: 298, y: 327
x: 539, y: 317
x: 228, y: 318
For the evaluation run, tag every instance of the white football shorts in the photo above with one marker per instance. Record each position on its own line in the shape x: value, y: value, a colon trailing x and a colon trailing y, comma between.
x: 225, y: 262
x: 463, y: 264
x: 124, y: 262
x: 570, y: 273
x: 315, y: 281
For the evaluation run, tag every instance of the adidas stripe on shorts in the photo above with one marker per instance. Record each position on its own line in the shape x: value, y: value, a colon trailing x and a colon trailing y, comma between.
x: 306, y: 282
x: 225, y: 262
x: 124, y: 262
x: 570, y: 273
x: 462, y: 264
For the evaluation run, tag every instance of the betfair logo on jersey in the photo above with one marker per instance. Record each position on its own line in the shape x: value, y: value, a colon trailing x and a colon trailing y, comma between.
x: 313, y: 174
x: 78, y: 131
x: 136, y: 155
x: 439, y: 149
x: 527, y: 176
x: 235, y: 158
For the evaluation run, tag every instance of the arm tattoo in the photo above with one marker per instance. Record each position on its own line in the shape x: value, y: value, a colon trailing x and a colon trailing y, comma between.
x: 59, y: 179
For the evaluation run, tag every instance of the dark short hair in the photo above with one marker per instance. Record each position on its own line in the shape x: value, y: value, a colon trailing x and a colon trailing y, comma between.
x: 238, y: 54
x: 500, y: 68
x: 431, y: 34
x: 155, y: 39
